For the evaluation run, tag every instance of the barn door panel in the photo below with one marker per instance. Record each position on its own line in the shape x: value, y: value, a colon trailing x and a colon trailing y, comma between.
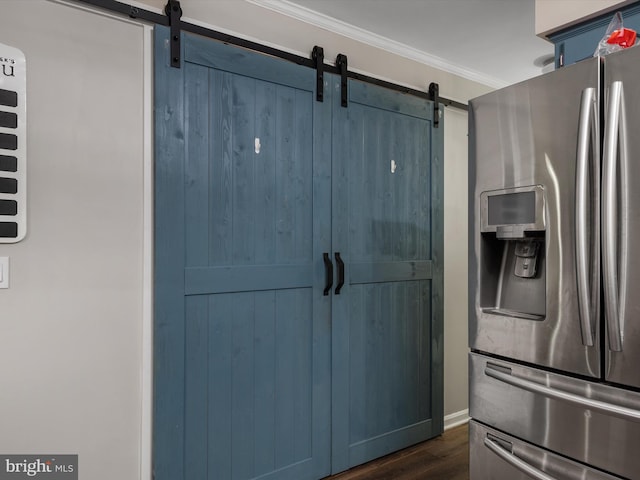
x: 242, y: 330
x: 387, y: 321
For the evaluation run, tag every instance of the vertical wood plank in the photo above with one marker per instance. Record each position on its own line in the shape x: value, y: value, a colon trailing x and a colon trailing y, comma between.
x: 374, y: 242
x: 285, y: 246
x: 242, y: 387
x: 266, y: 396
x: 415, y: 190
x: 221, y: 170
x: 220, y: 386
x: 302, y: 180
x: 285, y: 344
x: 196, y: 167
x: 360, y: 234
x: 426, y: 187
x: 169, y: 337
x: 401, y: 390
x: 375, y: 304
x: 357, y: 420
x: 389, y: 218
x: 196, y: 391
x: 265, y: 173
x: 412, y: 349
x: 242, y: 128
x: 398, y: 155
x: 429, y: 392
x: 383, y: 361
x: 302, y: 376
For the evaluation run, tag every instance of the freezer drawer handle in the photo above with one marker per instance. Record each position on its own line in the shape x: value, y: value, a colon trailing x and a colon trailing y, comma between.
x: 588, y: 403
x: 511, y: 459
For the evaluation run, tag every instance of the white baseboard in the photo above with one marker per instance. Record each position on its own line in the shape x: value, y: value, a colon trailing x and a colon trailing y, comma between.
x: 456, y: 418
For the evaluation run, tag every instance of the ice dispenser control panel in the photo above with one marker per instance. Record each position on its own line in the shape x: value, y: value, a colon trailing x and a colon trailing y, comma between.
x: 512, y: 252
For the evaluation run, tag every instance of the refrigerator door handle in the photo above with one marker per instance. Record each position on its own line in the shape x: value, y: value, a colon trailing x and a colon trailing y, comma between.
x: 511, y: 459
x: 614, y: 294
x: 587, y: 259
x: 497, y: 372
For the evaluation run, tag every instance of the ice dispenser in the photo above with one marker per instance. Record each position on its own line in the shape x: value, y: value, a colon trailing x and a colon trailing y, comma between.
x: 512, y: 252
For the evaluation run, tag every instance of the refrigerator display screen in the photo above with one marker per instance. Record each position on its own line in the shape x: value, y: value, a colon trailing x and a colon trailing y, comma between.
x: 512, y: 208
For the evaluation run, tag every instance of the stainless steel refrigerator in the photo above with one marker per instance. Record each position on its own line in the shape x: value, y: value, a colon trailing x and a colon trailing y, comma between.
x: 554, y: 275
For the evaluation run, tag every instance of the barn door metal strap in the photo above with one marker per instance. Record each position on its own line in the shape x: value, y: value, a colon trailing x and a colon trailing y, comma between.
x: 318, y: 57
x: 174, y: 12
x: 172, y: 17
x: 434, y: 90
x: 341, y: 63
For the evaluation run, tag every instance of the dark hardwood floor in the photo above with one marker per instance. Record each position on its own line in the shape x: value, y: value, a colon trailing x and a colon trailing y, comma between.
x: 442, y: 458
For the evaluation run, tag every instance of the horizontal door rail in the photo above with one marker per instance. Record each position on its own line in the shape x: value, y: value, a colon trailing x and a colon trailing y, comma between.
x: 389, y: 272
x: 210, y: 280
x: 152, y: 17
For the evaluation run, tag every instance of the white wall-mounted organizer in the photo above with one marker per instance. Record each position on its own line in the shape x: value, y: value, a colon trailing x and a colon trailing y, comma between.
x: 13, y: 155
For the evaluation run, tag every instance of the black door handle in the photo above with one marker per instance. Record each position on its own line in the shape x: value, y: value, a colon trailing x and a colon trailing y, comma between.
x: 340, y: 273
x: 328, y: 271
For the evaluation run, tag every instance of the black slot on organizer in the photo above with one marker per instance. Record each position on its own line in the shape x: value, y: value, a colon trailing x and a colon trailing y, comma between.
x: 8, y: 141
x: 8, y: 120
x: 8, y: 229
x: 8, y: 163
x: 8, y: 207
x: 8, y: 98
x: 8, y: 185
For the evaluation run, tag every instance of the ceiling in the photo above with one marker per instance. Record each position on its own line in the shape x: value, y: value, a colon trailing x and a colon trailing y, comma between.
x: 490, y: 41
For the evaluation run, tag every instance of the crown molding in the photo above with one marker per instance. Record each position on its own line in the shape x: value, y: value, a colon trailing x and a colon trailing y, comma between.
x: 345, y: 29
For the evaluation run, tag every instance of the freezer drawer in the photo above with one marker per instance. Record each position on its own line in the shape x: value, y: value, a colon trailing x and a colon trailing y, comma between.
x: 592, y: 423
x: 497, y: 456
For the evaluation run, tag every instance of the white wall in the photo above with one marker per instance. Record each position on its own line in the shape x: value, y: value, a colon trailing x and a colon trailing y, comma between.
x: 456, y: 390
x: 73, y: 333
x: 70, y: 323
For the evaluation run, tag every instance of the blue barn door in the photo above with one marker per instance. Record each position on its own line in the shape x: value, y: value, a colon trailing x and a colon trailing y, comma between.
x: 242, y: 329
x: 388, y: 228
x: 257, y: 373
